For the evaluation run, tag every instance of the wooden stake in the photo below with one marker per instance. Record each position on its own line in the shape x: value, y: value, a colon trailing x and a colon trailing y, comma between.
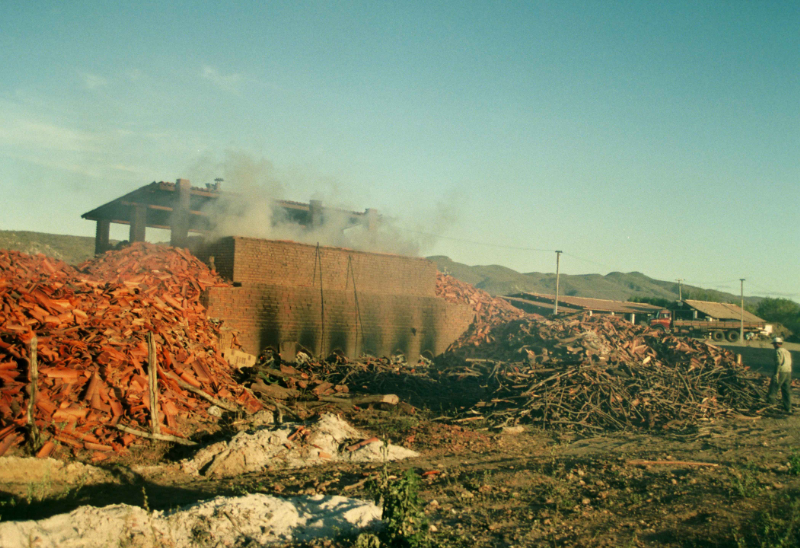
x: 153, y: 378
x: 33, y: 389
x: 558, y: 269
x: 391, y: 399
x: 161, y: 437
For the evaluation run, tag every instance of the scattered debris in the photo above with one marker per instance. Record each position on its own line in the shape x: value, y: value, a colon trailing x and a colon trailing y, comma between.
x: 308, y: 387
x: 254, y: 519
x: 292, y: 445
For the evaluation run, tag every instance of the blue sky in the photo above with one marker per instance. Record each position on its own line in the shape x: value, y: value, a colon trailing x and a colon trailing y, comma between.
x: 634, y: 136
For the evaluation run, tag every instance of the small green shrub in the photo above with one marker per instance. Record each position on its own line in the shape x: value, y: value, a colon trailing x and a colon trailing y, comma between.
x: 776, y: 527
x: 405, y: 524
x: 794, y: 464
x: 744, y: 482
x: 367, y: 540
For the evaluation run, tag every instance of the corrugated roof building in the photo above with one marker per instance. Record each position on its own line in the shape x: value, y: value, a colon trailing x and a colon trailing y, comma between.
x: 719, y: 311
x: 544, y: 304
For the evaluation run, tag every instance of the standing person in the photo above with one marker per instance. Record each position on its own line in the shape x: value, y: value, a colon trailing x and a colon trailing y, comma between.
x: 782, y: 378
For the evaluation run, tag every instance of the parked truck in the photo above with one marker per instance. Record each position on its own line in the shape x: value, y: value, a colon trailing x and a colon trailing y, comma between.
x: 718, y: 330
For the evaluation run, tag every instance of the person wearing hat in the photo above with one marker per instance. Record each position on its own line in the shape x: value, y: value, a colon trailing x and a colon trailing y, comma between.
x: 782, y: 379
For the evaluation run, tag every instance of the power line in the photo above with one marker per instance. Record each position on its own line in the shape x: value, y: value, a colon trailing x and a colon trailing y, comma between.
x: 694, y: 282
x: 771, y: 292
x: 464, y: 240
x: 589, y: 261
x: 610, y: 268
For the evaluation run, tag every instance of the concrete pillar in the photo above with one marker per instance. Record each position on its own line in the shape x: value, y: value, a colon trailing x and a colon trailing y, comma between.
x: 101, y: 237
x: 138, y: 223
x: 179, y: 222
x: 315, y: 213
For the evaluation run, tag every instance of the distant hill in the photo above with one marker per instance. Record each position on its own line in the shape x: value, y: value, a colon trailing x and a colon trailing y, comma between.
x: 618, y: 286
x: 70, y: 249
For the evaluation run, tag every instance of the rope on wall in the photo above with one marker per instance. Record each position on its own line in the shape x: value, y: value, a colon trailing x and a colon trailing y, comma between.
x: 318, y: 262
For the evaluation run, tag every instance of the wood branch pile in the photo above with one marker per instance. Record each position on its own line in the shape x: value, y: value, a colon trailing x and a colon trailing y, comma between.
x: 91, y: 326
x: 489, y: 311
x: 309, y: 386
x: 599, y: 373
x: 282, y: 384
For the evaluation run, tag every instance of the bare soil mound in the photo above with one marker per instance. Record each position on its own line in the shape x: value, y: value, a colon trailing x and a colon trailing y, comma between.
x: 329, y: 439
x: 254, y: 519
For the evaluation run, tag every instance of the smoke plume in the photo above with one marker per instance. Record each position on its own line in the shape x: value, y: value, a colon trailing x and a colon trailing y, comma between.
x: 247, y: 207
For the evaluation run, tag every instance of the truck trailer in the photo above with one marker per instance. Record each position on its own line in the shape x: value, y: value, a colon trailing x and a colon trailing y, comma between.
x: 718, y: 330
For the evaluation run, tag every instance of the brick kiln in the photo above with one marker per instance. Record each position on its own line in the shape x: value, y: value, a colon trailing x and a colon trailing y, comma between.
x: 287, y: 295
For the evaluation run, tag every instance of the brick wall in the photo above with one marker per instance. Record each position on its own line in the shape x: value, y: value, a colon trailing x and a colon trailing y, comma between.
x: 278, y: 303
x: 250, y: 260
x: 221, y: 252
x: 267, y: 315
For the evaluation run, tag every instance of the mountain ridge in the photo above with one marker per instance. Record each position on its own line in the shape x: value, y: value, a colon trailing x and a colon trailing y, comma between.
x: 616, y: 286
x: 70, y: 249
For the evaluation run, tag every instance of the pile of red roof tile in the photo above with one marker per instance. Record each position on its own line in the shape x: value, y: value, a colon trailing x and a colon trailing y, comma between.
x: 91, y: 326
x: 489, y: 311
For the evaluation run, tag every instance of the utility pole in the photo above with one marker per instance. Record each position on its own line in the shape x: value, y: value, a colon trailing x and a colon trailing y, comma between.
x: 741, y: 324
x: 558, y: 264
x: 680, y: 288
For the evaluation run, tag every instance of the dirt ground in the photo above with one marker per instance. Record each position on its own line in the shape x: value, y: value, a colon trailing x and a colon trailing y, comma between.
x: 728, y: 483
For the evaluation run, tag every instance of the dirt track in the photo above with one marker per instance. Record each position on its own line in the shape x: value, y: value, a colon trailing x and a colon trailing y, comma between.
x: 526, y: 489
